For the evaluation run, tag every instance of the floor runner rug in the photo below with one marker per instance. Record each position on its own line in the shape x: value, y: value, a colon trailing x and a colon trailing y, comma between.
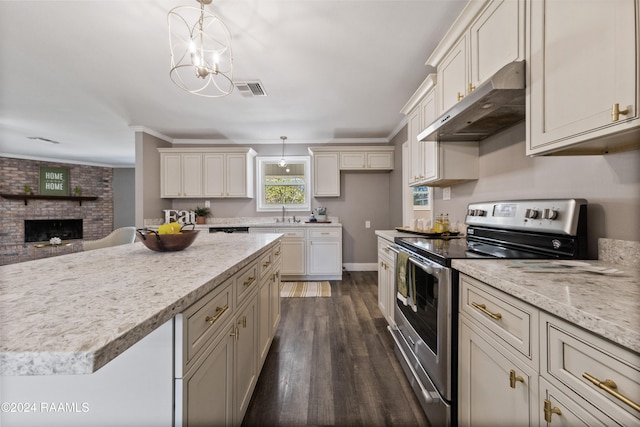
x: 305, y: 289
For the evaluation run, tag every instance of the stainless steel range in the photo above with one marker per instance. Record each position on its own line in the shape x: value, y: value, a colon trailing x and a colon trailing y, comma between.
x: 426, y: 309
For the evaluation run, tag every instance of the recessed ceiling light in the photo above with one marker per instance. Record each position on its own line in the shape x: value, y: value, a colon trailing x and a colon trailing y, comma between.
x: 39, y: 138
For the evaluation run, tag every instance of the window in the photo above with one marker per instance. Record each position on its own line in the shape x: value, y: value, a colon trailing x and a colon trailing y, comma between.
x: 283, y: 186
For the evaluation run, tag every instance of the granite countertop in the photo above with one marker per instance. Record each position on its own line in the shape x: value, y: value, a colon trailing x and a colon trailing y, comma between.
x: 606, y: 305
x: 72, y: 314
x: 255, y: 222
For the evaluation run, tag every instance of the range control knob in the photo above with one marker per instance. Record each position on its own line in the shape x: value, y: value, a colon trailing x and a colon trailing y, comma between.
x: 549, y: 214
x: 480, y: 212
x: 471, y: 212
x: 531, y: 213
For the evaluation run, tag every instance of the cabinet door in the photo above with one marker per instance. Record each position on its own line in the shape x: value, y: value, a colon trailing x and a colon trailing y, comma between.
x: 497, y: 38
x: 452, y: 76
x: 324, y: 257
x: 171, y: 175
x: 207, y: 392
x: 486, y: 395
x: 429, y: 112
x: 214, y: 171
x: 570, y: 98
x: 386, y: 281
x: 293, y: 256
x: 192, y: 175
x: 353, y: 160
x: 264, y: 313
x: 416, y: 165
x: 561, y: 411
x: 326, y: 175
x: 246, y: 356
x: 382, y: 161
x: 275, y: 300
x: 236, y: 175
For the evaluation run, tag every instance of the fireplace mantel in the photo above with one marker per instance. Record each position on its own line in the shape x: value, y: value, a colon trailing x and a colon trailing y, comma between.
x: 27, y: 197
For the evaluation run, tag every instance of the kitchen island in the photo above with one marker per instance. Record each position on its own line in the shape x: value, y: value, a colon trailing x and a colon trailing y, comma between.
x: 76, y: 317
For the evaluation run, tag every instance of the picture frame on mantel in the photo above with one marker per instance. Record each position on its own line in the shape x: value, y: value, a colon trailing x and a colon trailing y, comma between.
x: 54, y: 181
x: 422, y: 196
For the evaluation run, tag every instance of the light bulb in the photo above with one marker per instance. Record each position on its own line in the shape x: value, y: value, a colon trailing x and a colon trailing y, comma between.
x: 282, y: 163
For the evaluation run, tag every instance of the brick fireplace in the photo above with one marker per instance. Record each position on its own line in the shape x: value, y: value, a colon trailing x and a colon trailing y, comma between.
x: 96, y: 216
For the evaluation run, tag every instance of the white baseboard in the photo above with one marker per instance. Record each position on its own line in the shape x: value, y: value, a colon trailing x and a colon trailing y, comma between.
x: 364, y: 266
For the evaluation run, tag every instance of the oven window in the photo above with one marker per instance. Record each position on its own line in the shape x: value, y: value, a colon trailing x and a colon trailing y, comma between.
x: 424, y: 316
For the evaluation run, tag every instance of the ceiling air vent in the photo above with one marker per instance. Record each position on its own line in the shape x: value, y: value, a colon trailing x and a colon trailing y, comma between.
x: 250, y: 88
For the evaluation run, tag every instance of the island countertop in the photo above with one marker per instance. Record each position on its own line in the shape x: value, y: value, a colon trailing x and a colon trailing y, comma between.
x: 606, y: 305
x: 72, y: 314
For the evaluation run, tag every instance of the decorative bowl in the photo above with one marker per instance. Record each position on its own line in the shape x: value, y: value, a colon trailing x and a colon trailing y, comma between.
x: 167, y: 242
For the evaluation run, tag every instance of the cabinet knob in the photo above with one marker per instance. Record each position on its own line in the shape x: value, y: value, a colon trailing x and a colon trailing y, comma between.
x: 616, y: 111
x: 513, y: 378
x: 460, y: 96
x: 549, y: 410
x: 471, y: 88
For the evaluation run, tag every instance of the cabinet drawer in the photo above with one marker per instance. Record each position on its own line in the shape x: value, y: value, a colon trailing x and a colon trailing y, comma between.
x: 325, y: 233
x: 265, y: 263
x: 246, y: 281
x: 573, y: 352
x: 277, y: 254
x: 382, y: 245
x: 292, y: 233
x: 512, y: 320
x: 204, y: 319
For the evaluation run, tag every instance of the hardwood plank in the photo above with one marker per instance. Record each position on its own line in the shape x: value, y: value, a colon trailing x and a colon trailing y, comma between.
x: 332, y: 363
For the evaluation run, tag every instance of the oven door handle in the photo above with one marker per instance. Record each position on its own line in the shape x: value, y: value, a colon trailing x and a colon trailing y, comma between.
x: 393, y: 249
x: 430, y: 397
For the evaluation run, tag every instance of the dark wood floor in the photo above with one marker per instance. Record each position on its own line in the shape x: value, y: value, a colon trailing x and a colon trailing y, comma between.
x: 332, y: 364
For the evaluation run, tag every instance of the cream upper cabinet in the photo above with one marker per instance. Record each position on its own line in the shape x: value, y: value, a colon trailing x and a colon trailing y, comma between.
x: 206, y: 172
x: 326, y: 175
x: 421, y: 110
x: 181, y: 175
x: 582, y: 63
x: 497, y: 37
x: 486, y: 36
x: 366, y: 158
x: 453, y: 75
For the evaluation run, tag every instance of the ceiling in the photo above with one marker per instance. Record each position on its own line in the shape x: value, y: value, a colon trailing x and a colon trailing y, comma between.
x: 88, y: 73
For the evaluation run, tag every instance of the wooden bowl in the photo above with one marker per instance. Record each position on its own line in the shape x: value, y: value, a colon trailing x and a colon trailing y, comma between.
x: 167, y: 242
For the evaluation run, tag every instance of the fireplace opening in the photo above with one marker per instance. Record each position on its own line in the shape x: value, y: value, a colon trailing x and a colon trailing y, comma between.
x: 42, y: 230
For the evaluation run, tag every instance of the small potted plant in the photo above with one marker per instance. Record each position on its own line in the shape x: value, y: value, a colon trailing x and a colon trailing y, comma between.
x: 202, y: 214
x: 27, y: 190
x: 77, y: 191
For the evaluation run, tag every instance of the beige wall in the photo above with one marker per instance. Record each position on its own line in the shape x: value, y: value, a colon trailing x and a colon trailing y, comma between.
x: 610, y: 184
x: 147, y: 177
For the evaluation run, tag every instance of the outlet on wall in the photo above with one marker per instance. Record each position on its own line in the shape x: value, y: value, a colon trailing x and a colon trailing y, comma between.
x: 367, y: 224
x: 446, y: 193
x: 207, y: 203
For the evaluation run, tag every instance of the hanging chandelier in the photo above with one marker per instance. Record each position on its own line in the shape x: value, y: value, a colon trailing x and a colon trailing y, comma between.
x: 201, y: 56
x: 282, y: 163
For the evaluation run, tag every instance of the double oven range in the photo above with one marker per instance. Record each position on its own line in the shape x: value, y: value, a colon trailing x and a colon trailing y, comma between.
x: 426, y: 311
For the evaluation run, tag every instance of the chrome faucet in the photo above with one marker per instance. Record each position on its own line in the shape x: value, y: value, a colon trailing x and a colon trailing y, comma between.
x: 283, y: 214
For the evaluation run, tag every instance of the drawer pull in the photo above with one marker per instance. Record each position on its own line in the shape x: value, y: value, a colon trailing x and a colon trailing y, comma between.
x: 483, y: 308
x: 266, y: 264
x: 549, y: 410
x: 249, y: 281
x: 513, y: 378
x: 610, y: 387
x: 277, y: 253
x: 219, y: 312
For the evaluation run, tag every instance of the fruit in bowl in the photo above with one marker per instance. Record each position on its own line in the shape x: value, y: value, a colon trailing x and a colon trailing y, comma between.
x: 169, y: 238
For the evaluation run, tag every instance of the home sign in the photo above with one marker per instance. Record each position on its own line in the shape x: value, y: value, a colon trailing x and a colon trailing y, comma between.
x: 54, y: 181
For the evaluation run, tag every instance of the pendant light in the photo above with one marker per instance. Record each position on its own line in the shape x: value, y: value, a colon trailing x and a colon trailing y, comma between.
x: 282, y: 163
x: 201, y: 56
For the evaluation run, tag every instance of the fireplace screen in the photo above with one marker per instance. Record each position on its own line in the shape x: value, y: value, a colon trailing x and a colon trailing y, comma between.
x: 41, y: 230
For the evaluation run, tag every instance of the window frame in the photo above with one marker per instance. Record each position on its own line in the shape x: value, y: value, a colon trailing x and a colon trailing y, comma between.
x: 261, y: 205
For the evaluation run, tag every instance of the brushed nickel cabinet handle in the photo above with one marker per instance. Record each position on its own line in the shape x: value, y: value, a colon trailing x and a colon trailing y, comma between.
x: 483, y: 308
x: 610, y: 387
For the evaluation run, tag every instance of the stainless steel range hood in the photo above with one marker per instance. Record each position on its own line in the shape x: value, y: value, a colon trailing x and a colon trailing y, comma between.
x: 495, y: 105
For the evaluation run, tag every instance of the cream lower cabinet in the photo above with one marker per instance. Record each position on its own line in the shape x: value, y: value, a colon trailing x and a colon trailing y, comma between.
x: 325, y: 252
x: 294, y: 252
x: 386, y: 279
x: 498, y: 373
x: 571, y: 105
x: 220, y: 345
x: 521, y: 366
